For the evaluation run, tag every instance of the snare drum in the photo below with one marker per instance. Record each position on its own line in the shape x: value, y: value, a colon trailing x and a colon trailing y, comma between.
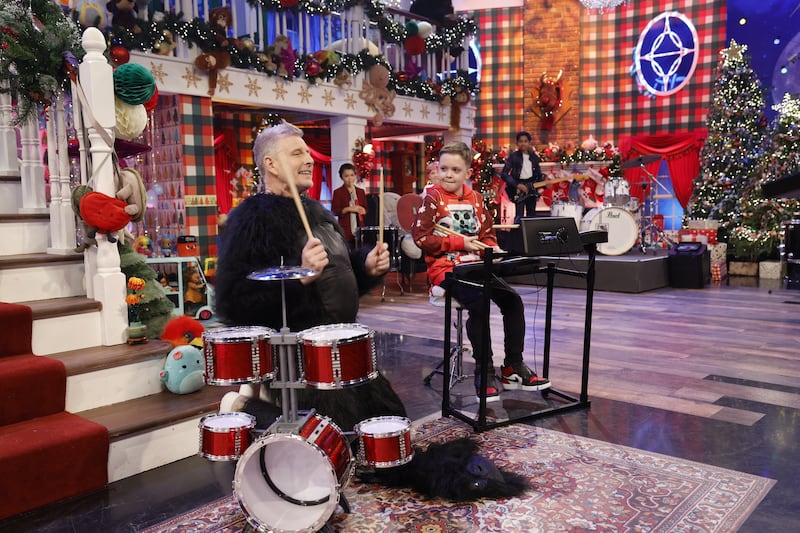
x: 238, y: 355
x: 292, y: 482
x: 225, y: 436
x: 338, y: 355
x: 567, y: 209
x: 384, y: 441
x: 617, y: 192
x: 618, y: 222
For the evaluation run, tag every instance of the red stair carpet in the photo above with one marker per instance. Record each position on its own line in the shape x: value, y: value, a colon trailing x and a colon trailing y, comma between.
x: 46, y: 453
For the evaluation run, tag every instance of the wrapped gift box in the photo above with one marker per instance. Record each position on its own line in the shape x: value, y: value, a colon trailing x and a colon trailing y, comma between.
x: 706, y: 236
x: 719, y: 252
x: 769, y: 270
x: 705, y: 223
x: 719, y: 271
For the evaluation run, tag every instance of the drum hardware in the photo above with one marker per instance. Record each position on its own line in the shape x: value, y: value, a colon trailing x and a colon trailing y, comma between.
x: 370, y: 235
x: 648, y: 230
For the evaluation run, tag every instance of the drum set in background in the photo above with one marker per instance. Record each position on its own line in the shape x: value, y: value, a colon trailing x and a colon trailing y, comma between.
x: 618, y: 215
x: 290, y: 477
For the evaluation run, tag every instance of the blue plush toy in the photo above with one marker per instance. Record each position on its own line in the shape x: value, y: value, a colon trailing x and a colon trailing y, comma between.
x: 183, y: 369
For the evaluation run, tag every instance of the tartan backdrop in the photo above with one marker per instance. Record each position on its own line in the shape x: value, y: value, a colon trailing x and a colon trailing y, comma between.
x: 500, y: 104
x: 197, y: 132
x: 611, y: 106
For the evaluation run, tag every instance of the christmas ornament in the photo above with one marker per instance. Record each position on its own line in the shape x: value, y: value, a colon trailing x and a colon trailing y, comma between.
x: 152, y: 103
x: 131, y: 119
x: 119, y: 55
x: 133, y: 84
x: 414, y: 45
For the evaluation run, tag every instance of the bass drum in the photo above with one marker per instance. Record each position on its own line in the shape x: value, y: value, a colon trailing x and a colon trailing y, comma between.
x: 618, y: 222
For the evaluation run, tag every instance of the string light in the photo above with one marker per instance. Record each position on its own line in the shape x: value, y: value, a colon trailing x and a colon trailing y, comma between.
x: 602, y: 5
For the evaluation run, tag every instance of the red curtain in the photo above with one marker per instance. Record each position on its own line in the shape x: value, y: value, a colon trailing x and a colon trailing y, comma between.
x: 225, y: 157
x: 682, y: 151
x: 320, y: 147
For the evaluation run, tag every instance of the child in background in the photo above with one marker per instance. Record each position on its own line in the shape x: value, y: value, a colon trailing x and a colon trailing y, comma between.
x: 453, y: 204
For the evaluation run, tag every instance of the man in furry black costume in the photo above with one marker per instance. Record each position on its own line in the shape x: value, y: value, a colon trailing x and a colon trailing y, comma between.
x: 266, y: 231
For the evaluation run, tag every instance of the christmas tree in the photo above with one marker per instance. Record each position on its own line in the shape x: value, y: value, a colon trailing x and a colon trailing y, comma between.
x: 729, y: 160
x: 155, y: 309
x: 760, y: 231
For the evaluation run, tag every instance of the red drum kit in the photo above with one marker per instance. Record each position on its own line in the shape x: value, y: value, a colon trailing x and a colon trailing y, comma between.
x: 291, y: 476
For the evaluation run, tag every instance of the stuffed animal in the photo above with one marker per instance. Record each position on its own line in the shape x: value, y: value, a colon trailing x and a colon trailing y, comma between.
x: 133, y: 193
x: 77, y: 194
x: 376, y: 94
x: 103, y: 214
x: 183, y: 330
x: 183, y: 370
x: 123, y: 14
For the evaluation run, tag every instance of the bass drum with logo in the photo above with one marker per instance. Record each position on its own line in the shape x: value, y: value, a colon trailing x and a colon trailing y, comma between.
x: 618, y: 222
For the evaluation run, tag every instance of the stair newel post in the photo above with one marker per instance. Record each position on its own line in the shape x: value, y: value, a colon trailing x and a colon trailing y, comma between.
x: 8, y: 139
x: 31, y: 169
x: 108, y: 281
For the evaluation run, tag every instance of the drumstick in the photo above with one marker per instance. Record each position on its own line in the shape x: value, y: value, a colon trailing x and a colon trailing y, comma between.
x: 380, y: 207
x: 296, y: 195
x: 445, y: 229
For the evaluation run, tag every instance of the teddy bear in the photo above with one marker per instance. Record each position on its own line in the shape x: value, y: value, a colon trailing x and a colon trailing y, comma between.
x: 133, y: 192
x: 376, y: 94
x: 123, y: 14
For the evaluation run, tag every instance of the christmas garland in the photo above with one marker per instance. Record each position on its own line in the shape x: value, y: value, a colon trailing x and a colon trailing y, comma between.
x: 317, y: 66
x: 34, y: 41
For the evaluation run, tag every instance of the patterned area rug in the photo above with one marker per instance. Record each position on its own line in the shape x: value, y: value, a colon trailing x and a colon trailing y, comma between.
x: 579, y: 484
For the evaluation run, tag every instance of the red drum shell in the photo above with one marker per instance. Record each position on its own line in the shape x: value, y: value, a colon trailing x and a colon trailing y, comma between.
x: 238, y: 355
x: 384, y: 441
x: 338, y: 355
x: 225, y: 436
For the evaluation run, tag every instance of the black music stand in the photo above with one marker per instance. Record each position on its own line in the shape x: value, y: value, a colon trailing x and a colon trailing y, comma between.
x: 525, y: 265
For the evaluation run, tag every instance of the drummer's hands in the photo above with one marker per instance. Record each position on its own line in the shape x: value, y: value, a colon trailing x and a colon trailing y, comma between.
x: 472, y: 244
x: 314, y: 257
x: 377, y: 262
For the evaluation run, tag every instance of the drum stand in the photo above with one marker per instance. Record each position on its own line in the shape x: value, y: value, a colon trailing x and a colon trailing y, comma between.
x: 648, y: 230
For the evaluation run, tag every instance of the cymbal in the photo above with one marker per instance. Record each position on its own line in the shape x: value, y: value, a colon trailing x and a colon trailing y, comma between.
x: 639, y: 161
x: 281, y: 272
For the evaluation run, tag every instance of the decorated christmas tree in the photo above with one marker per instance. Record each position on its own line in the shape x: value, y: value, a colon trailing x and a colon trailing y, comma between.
x: 758, y: 234
x: 729, y: 160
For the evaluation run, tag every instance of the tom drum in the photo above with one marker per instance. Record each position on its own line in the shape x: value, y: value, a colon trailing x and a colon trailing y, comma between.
x: 567, y: 209
x: 338, y: 355
x: 384, y: 441
x: 225, y: 436
x: 616, y: 192
x: 238, y: 355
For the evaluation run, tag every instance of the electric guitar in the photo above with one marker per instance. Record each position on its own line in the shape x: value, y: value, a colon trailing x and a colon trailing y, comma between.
x: 532, y: 188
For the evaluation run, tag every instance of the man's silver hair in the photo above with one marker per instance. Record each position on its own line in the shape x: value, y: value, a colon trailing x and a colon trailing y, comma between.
x: 267, y: 140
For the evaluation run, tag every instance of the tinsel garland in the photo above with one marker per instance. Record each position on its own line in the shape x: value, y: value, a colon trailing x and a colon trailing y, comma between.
x: 33, y: 40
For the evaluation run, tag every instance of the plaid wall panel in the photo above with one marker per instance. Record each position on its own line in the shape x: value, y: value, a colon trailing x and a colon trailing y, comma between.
x: 197, y: 132
x: 611, y: 106
x: 499, y: 106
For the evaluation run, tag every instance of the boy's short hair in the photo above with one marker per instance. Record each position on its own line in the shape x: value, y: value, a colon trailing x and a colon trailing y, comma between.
x: 460, y: 149
x: 523, y: 134
x: 347, y: 166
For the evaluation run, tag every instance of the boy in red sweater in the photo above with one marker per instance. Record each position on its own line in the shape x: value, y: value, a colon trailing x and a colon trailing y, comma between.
x: 453, y: 204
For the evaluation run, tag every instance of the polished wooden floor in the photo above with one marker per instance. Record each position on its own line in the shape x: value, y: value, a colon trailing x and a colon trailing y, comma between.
x: 710, y: 375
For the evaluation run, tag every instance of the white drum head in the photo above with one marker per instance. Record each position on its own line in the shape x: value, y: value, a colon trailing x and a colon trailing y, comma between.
x: 383, y: 426
x: 620, y: 224
x: 336, y: 332
x: 300, y: 470
x: 223, y: 421
x: 238, y: 333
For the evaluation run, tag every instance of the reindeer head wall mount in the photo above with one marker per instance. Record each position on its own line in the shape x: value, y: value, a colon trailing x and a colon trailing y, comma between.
x: 549, y: 97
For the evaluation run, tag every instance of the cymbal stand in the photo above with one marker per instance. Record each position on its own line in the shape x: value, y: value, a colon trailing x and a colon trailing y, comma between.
x: 648, y: 230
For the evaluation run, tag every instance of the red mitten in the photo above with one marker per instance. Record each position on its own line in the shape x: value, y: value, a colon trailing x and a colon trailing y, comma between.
x: 103, y: 212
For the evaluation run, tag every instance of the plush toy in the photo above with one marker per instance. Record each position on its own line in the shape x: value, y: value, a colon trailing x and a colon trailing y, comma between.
x: 183, y: 370
x: 103, y: 214
x: 143, y: 245
x: 376, y: 94
x: 183, y: 330
x: 123, y: 14
x: 79, y: 192
x: 133, y: 193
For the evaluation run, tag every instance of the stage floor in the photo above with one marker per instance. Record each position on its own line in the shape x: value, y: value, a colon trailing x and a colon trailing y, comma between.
x: 633, y: 271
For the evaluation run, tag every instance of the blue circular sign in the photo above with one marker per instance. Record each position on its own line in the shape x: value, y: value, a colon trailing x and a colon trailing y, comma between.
x: 666, y: 54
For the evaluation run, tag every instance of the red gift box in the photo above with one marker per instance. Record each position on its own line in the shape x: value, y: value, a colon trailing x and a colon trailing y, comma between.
x: 719, y: 271
x: 706, y: 236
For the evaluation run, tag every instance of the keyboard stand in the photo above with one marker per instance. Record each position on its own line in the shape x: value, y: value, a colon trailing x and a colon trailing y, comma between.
x: 566, y: 402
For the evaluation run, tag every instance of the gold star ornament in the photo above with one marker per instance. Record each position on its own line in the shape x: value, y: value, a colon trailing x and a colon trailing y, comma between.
x: 734, y: 52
